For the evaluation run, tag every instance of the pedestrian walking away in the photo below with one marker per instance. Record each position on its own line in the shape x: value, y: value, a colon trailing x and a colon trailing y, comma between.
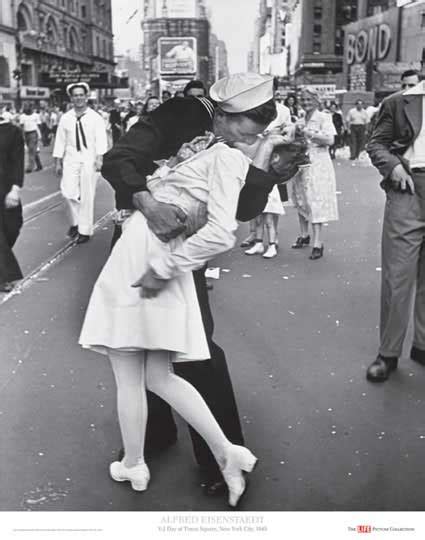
x: 11, y: 180
x: 80, y: 143
x: 29, y: 121
x: 397, y: 149
x: 130, y: 329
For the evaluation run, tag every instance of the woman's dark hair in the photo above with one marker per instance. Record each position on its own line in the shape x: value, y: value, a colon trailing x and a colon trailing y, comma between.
x: 293, y: 96
x: 145, y: 106
x: 196, y: 83
x: 263, y: 114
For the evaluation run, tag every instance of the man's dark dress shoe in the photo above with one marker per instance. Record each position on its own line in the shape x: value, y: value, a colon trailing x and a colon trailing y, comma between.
x: 418, y: 356
x: 380, y: 369
x: 83, y: 238
x: 72, y: 231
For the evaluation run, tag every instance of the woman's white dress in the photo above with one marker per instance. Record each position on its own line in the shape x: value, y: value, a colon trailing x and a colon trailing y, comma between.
x: 314, y: 186
x: 206, y: 187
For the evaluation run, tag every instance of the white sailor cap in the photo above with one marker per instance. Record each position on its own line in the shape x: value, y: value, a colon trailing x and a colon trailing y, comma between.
x: 77, y: 85
x: 242, y: 92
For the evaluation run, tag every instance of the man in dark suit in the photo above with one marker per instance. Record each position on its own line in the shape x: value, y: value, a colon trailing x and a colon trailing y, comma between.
x: 126, y: 167
x: 11, y: 180
x: 397, y: 149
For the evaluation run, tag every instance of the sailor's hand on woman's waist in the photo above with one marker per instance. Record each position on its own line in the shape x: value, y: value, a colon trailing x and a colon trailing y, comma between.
x: 166, y: 221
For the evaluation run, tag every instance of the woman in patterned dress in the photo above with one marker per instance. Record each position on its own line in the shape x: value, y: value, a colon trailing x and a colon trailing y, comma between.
x: 314, y: 186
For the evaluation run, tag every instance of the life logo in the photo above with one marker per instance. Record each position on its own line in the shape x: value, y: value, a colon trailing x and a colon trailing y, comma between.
x: 364, y: 529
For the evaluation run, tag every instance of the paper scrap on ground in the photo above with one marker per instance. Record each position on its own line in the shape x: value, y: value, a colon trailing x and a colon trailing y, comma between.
x: 213, y: 273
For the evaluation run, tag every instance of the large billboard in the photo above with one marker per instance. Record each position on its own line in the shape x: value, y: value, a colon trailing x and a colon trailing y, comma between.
x: 177, y: 55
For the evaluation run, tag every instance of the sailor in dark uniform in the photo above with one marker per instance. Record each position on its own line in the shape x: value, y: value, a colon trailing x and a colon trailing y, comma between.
x: 12, y: 157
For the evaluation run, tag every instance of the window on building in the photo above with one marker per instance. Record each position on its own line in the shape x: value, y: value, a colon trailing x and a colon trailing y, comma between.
x: 97, y: 53
x: 317, y: 38
x: 377, y: 6
x: 346, y: 13
x: 24, y: 18
x: 339, y: 41
x: 83, y: 12
x: 422, y: 20
x: 317, y: 9
x: 51, y: 31
x: 4, y: 72
x: 27, y: 79
x: 73, y: 40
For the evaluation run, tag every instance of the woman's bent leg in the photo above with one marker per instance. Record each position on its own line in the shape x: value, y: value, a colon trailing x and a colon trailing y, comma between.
x: 185, y: 399
x: 129, y: 372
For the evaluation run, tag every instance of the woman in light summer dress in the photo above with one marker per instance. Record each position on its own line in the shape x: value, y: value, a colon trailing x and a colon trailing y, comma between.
x: 314, y: 187
x: 144, y: 313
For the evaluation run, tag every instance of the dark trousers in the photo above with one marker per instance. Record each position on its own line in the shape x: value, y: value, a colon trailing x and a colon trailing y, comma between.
x: 212, y: 380
x: 45, y: 134
x: 31, y: 140
x: 10, y: 225
x: 357, y: 140
x: 403, y: 266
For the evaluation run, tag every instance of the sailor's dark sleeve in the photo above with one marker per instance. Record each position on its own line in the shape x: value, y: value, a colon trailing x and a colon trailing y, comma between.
x: 254, y: 195
x: 128, y: 163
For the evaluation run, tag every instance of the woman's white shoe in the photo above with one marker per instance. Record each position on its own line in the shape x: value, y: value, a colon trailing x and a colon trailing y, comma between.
x: 257, y: 249
x: 271, y: 252
x: 138, y: 475
x: 237, y: 461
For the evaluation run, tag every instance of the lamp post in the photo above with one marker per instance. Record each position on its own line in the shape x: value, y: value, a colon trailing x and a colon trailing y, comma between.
x: 17, y: 73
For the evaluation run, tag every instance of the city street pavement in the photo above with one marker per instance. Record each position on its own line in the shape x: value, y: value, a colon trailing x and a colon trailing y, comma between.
x: 298, y: 336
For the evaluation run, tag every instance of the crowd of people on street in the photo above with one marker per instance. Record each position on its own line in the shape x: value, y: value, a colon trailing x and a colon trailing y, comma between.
x: 185, y: 170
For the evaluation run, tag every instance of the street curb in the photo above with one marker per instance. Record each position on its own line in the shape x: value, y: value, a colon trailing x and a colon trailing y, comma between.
x: 55, y: 259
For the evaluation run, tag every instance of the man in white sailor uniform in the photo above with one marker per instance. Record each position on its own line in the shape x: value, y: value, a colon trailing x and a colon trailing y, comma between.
x: 81, y: 141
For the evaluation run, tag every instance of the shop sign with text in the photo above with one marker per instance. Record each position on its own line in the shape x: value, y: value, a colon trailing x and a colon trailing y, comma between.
x: 372, y: 39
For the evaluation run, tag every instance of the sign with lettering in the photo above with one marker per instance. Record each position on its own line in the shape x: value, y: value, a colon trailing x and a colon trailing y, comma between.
x: 61, y: 78
x: 34, y: 92
x: 373, y: 44
x: 372, y: 39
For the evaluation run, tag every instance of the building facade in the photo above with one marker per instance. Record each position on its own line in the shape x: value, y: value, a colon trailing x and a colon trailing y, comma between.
x: 59, y: 41
x: 7, y: 53
x: 380, y: 47
x: 219, y: 66
x: 268, y: 53
x: 176, y: 44
x: 315, y: 38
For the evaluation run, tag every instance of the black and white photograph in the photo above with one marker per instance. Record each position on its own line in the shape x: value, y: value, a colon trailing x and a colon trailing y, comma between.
x: 212, y: 269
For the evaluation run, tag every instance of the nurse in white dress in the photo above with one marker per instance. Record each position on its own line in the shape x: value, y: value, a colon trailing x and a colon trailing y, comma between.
x: 144, y: 330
